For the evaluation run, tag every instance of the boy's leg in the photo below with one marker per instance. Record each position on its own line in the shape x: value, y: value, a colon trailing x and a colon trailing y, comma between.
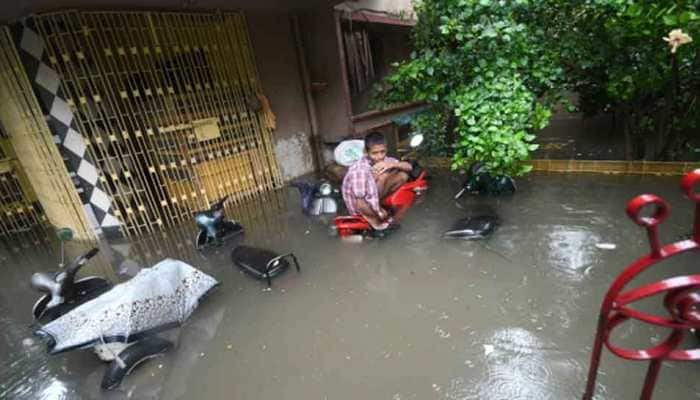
x: 364, y: 208
x: 389, y: 182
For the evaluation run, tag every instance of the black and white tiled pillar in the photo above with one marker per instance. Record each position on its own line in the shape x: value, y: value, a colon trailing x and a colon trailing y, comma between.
x: 46, y: 83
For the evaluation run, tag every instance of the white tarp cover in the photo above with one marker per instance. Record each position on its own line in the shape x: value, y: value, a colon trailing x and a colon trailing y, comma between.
x: 162, y: 296
x: 349, y: 151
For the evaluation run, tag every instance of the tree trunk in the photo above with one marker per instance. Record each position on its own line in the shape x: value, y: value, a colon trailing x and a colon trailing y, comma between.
x: 451, y: 126
x: 669, y: 151
x: 627, y: 129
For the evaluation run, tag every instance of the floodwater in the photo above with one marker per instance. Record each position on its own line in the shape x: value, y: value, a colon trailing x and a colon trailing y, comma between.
x: 412, y: 316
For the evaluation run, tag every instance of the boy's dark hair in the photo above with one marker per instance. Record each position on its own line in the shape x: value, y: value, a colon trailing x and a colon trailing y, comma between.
x: 373, y: 139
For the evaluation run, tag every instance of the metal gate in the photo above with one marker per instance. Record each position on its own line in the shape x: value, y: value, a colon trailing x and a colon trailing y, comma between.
x: 169, y: 106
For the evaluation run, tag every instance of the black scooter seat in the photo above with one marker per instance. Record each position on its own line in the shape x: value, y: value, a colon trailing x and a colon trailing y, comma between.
x: 474, y: 228
x: 262, y: 263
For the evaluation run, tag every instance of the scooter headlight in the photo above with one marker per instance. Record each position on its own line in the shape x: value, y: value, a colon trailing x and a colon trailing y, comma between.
x: 325, y: 189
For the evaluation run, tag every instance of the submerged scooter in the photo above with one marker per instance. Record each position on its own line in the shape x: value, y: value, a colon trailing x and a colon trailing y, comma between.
x: 317, y: 199
x: 480, y: 181
x: 89, y: 313
x: 396, y: 203
x: 214, y: 229
x: 62, y: 291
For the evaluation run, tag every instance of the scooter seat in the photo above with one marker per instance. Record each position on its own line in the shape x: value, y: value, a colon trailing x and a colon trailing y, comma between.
x: 479, y: 227
x: 262, y: 263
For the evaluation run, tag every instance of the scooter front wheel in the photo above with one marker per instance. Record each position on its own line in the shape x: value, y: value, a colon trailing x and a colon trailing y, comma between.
x: 131, y: 357
x: 201, y: 241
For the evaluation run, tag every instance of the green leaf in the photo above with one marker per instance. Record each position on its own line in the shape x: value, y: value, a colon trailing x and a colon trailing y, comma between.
x: 686, y: 16
x: 670, y: 20
x: 490, y: 32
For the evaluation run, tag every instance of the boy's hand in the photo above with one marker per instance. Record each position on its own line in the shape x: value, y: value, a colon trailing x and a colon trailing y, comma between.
x: 383, y: 166
x: 378, y: 168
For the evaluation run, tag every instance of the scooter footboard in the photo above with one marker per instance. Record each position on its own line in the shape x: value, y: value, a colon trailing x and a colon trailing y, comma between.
x: 349, y: 225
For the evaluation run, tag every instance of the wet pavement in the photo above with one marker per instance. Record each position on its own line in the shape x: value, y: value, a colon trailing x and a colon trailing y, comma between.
x: 412, y: 316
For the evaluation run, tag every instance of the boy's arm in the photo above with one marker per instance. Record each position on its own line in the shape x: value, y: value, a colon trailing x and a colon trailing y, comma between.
x: 404, y: 166
x: 393, y: 163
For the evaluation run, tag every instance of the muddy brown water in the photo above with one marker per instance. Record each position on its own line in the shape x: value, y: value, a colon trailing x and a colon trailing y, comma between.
x: 409, y: 317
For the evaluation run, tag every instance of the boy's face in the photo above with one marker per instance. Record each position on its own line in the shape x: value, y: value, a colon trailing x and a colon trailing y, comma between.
x: 377, y: 153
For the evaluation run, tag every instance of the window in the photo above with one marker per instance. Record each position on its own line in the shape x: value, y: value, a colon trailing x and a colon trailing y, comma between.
x: 371, y: 44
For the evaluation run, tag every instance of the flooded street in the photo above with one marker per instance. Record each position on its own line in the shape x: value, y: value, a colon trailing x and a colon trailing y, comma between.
x: 413, y: 316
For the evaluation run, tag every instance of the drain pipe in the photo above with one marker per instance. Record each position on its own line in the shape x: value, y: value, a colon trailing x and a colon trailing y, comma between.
x: 308, y: 95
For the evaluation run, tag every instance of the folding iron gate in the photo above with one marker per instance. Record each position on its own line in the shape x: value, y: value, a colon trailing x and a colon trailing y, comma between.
x: 167, y: 107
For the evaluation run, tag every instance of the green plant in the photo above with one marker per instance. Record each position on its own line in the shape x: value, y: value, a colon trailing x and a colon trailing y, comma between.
x: 624, y: 66
x: 493, y: 70
x: 489, y: 76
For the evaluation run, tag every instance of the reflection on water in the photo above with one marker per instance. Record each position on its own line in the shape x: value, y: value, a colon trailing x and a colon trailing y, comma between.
x: 54, y: 391
x: 262, y: 219
x: 519, y: 365
x: 409, y: 317
x: 27, y: 372
x: 571, y: 250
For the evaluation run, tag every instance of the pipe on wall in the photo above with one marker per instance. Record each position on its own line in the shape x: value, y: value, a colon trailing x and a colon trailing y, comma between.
x: 308, y: 95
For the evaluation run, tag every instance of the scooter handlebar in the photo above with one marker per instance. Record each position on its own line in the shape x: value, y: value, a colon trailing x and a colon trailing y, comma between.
x: 81, y: 260
x: 92, y: 253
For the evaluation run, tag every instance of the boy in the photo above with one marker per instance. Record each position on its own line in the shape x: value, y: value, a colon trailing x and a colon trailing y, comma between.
x: 371, y: 179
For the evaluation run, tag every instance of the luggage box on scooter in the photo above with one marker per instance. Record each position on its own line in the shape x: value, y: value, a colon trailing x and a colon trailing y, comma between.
x: 262, y: 263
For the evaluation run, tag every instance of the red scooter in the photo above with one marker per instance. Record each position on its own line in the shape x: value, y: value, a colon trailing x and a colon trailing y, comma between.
x: 396, y: 203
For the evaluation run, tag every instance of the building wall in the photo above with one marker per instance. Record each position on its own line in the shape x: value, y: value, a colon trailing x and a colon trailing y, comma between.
x: 14, y: 9
x: 334, y: 114
x: 391, y: 6
x: 318, y: 28
x: 274, y: 46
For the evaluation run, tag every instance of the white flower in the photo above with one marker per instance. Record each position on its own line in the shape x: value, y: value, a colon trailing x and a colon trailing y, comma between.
x: 677, y: 38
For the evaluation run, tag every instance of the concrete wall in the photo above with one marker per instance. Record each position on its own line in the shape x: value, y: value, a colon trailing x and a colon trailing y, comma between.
x: 319, y: 32
x: 275, y: 53
x: 391, y: 6
x: 324, y: 63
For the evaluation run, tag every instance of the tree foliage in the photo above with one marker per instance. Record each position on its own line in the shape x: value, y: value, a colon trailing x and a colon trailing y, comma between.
x: 493, y: 70
x: 623, y: 66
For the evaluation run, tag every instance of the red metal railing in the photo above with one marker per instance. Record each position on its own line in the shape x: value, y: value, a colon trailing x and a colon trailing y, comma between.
x: 681, y: 300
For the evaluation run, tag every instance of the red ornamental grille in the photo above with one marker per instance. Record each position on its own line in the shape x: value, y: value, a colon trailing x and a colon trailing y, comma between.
x: 681, y: 299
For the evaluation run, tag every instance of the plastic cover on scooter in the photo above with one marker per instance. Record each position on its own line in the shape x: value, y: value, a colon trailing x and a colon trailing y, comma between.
x: 156, y: 299
x: 348, y: 152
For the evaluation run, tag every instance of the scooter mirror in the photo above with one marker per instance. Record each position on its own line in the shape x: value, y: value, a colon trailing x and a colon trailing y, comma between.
x: 64, y: 234
x: 416, y: 140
